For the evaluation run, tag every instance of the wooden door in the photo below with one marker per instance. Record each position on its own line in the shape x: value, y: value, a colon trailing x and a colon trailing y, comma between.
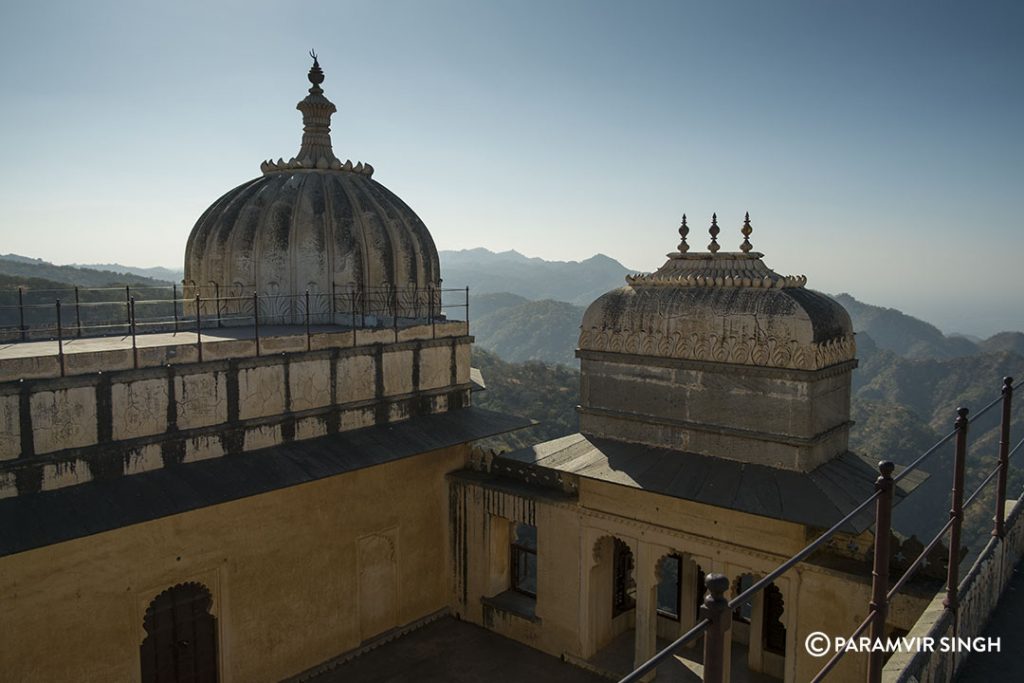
x: 181, y: 637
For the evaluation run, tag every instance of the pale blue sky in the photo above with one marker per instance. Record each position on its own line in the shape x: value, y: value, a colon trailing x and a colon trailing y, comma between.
x: 879, y: 146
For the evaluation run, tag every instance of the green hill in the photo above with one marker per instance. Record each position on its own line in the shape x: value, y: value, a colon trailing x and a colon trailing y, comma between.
x: 24, y: 268
x: 533, y: 330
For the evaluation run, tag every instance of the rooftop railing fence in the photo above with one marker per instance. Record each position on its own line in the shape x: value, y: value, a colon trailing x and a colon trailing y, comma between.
x: 716, y: 612
x: 79, y: 312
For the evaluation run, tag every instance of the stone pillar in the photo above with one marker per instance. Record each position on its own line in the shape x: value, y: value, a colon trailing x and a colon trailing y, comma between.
x: 498, y: 552
x: 646, y: 571
x: 755, y: 649
x: 687, y: 596
x: 719, y: 567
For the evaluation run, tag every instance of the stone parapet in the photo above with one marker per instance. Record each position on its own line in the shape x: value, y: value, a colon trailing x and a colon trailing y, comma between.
x: 62, y: 431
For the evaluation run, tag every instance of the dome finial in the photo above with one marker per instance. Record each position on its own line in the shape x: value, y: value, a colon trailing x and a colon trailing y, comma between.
x: 746, y: 230
x: 316, y: 151
x: 684, y: 230
x: 316, y: 74
x: 714, y: 230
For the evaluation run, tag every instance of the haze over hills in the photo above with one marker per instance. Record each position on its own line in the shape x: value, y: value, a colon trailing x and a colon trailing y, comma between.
x: 21, y: 268
x: 154, y: 272
x: 575, y: 282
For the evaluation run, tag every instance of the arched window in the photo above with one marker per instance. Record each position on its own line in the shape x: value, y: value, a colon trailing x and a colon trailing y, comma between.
x: 181, y: 637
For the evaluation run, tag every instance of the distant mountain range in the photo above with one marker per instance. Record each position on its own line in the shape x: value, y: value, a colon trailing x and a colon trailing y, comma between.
x: 575, y: 282
x: 155, y: 272
x: 17, y: 270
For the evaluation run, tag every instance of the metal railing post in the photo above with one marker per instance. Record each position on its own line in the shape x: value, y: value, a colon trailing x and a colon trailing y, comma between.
x: 999, y: 530
x: 879, y: 606
x: 216, y: 296
x: 128, y: 304
x: 308, y: 342
x: 21, y: 312
x: 431, y: 312
x: 78, y: 313
x: 135, y: 348
x: 394, y: 311
x: 256, y: 319
x: 716, y: 610
x: 199, y: 329
x: 467, y: 309
x: 956, y: 511
x: 362, y: 306
x: 174, y: 304
x: 60, y: 341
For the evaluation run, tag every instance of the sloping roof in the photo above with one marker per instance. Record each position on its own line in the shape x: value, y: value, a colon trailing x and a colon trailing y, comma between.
x: 48, y: 517
x: 819, y: 498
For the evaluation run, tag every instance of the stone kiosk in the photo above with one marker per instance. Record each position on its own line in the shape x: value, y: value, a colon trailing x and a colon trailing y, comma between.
x: 714, y: 416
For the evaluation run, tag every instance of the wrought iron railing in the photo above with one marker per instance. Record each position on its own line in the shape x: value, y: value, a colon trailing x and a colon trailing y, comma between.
x: 77, y: 312
x: 716, y: 612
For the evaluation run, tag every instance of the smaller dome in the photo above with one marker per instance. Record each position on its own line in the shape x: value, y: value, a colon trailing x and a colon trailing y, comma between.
x: 716, y: 354
x: 721, y: 307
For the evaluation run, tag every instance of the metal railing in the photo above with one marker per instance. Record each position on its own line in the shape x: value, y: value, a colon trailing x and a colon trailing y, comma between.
x: 79, y: 312
x: 716, y: 611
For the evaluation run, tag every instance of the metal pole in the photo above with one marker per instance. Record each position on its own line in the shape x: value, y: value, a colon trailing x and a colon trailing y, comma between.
x: 60, y: 341
x: 256, y: 319
x: 999, y: 530
x: 199, y: 330
x: 880, y: 572
x: 308, y: 343
x: 21, y: 312
x: 128, y: 304
x: 174, y: 304
x: 956, y: 513
x: 216, y: 295
x: 394, y: 311
x: 716, y: 610
x: 78, y: 313
x: 467, y: 309
x: 135, y: 348
x: 362, y: 306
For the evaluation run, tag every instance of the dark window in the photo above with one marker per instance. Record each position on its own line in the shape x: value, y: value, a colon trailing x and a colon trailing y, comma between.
x: 669, y: 587
x: 524, y: 559
x: 745, y: 611
x: 623, y: 589
x: 774, y: 631
x: 181, y: 637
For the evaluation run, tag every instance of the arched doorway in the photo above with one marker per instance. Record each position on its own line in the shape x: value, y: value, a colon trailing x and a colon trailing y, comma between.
x: 181, y: 637
x: 611, y: 599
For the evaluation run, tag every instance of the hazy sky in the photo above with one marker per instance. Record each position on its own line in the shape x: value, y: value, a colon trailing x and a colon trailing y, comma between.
x: 879, y: 147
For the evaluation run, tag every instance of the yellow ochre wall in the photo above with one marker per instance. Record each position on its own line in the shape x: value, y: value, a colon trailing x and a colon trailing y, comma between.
x: 282, y: 567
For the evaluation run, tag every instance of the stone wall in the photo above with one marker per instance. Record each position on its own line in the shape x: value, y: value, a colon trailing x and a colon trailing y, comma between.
x: 792, y: 419
x: 979, y: 594
x: 62, y: 431
x: 297, y: 576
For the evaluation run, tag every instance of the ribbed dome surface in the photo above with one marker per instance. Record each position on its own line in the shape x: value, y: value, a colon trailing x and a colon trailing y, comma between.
x: 289, y: 231
x: 312, y: 223
x: 720, y: 307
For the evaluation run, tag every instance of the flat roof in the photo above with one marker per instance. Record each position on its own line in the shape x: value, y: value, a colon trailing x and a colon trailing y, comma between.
x: 819, y: 498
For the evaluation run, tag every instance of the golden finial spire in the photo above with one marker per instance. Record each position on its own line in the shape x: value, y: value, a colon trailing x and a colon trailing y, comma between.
x: 684, y: 230
x: 746, y: 230
x: 713, y: 247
